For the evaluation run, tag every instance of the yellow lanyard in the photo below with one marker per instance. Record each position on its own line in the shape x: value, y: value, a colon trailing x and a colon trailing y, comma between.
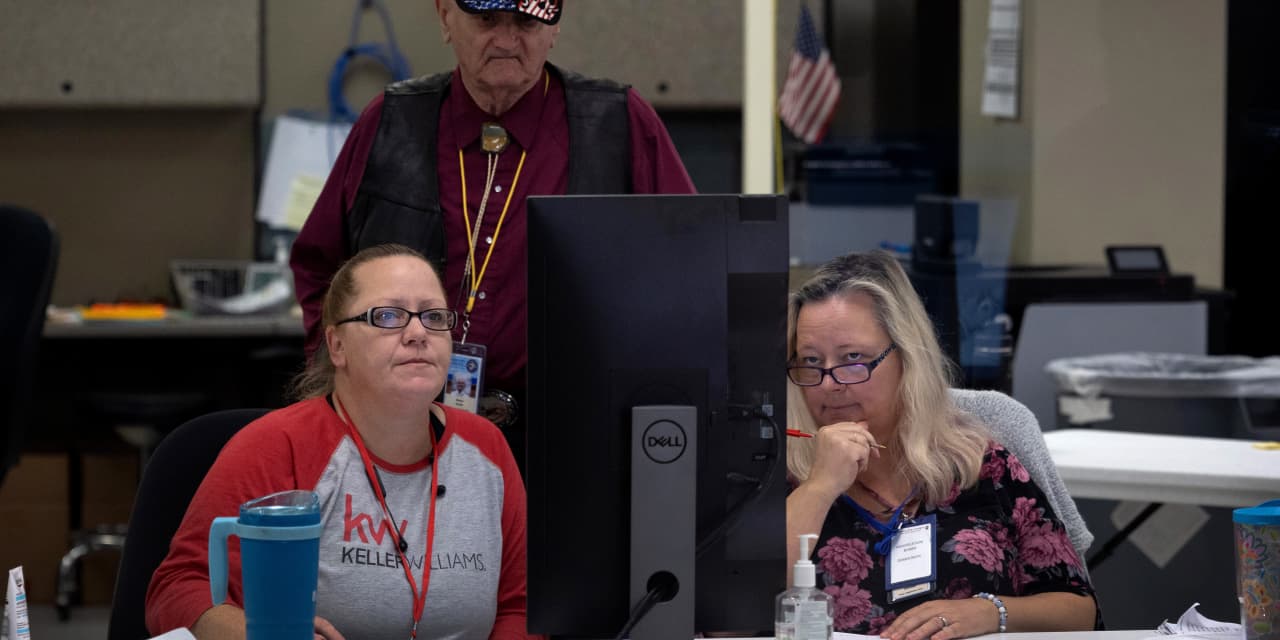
x: 478, y: 276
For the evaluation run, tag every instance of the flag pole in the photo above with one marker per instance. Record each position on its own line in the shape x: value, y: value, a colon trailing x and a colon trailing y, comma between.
x: 759, y: 60
x: 778, y: 173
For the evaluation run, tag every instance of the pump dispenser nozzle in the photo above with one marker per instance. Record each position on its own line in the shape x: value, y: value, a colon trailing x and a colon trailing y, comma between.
x: 803, y: 575
x: 804, y: 612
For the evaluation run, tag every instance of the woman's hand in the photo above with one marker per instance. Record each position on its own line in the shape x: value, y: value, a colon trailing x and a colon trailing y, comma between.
x: 326, y: 631
x: 841, y: 452
x: 945, y: 619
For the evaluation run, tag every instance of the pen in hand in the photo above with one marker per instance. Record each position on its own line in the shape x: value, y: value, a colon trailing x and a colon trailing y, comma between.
x: 796, y: 433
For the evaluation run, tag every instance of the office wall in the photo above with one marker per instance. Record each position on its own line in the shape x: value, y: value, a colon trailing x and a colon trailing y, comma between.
x: 995, y: 153
x: 128, y: 189
x: 1120, y: 138
x: 303, y: 39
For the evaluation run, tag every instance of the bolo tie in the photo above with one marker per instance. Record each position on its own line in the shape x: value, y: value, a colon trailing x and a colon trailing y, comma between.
x: 493, y: 140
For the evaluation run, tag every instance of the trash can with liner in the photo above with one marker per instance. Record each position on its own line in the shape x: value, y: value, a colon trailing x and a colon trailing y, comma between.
x: 1213, y: 396
x: 1165, y: 556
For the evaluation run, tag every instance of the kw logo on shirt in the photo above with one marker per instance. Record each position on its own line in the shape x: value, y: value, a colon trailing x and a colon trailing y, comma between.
x: 380, y: 534
x: 362, y: 521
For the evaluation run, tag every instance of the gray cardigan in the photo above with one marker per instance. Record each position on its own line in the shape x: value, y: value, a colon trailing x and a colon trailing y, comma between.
x: 1018, y: 430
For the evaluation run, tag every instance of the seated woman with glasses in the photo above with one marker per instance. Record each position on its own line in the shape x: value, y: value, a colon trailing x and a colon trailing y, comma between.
x: 927, y: 526
x: 399, y: 556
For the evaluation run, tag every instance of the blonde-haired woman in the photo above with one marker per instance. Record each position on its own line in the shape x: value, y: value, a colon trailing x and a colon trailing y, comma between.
x: 928, y: 527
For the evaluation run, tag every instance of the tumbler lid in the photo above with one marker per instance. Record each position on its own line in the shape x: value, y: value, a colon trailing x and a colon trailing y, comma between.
x: 1265, y: 513
x: 284, y: 509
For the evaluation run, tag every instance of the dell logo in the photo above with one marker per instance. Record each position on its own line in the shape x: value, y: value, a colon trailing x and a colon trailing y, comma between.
x: 664, y: 441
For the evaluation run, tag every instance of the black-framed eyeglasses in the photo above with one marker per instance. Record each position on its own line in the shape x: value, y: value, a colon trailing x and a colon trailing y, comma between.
x: 398, y: 318
x: 852, y: 373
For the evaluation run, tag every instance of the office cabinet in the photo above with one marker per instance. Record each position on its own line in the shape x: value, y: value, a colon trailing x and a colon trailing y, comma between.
x: 130, y: 53
x: 676, y: 53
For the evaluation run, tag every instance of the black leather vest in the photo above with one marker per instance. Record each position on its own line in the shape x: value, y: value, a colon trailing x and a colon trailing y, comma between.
x: 396, y: 204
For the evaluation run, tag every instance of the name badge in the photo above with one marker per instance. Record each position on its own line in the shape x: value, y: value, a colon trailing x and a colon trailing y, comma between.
x: 912, y: 567
x: 906, y: 593
x: 462, y: 389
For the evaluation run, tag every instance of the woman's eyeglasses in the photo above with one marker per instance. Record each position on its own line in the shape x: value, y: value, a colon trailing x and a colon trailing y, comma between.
x: 397, y: 318
x: 852, y: 373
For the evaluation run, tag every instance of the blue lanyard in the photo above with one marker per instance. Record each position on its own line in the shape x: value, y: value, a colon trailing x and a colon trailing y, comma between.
x: 889, y: 531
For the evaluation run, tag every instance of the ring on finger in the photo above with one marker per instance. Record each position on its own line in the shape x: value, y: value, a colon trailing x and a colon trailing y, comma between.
x: 943, y: 620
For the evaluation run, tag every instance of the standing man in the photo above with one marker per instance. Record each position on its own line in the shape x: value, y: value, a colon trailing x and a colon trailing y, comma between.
x: 444, y: 163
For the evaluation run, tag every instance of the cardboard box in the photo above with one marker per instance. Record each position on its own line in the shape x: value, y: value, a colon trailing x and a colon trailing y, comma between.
x: 35, y: 517
x: 33, y: 522
x: 110, y: 482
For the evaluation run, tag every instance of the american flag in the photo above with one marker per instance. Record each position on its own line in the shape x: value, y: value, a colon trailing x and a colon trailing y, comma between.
x: 541, y: 9
x: 812, y: 88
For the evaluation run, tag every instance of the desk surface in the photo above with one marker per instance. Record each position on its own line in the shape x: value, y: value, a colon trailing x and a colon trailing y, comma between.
x: 231, y: 362
x: 179, y: 326
x: 1074, y: 635
x: 1057, y: 635
x: 1118, y: 465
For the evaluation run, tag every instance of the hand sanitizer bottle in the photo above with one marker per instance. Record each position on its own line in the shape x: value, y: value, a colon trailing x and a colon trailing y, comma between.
x: 803, y: 612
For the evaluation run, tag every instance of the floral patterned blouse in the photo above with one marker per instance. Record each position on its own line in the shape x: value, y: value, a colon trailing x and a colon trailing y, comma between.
x: 1000, y: 536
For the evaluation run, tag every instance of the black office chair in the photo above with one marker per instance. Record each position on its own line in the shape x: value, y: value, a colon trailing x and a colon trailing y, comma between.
x: 28, y: 260
x: 173, y: 474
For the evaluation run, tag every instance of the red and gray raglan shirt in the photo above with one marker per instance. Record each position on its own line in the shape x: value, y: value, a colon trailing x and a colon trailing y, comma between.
x: 477, y: 563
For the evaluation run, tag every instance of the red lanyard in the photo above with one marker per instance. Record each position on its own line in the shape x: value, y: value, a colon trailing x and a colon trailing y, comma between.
x: 419, y: 599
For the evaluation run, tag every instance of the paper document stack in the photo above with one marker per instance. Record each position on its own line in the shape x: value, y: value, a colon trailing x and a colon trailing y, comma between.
x: 1192, y: 624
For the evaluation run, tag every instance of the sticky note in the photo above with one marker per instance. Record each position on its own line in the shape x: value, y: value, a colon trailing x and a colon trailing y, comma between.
x: 304, y: 190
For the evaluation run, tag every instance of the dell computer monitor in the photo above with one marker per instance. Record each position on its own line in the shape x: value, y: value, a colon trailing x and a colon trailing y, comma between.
x: 655, y: 301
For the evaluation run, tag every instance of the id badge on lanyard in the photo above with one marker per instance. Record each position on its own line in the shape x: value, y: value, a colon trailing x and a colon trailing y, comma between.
x: 464, y: 385
x: 912, y: 567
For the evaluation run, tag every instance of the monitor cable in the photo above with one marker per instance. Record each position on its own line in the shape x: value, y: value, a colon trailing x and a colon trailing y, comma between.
x: 735, y: 513
x: 662, y: 587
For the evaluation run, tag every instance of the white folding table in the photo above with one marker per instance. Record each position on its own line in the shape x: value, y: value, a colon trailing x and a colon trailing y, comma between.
x: 1159, y: 469
x: 1119, y: 465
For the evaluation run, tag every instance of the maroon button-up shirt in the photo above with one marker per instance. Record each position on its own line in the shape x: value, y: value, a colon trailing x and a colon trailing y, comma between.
x: 538, y: 129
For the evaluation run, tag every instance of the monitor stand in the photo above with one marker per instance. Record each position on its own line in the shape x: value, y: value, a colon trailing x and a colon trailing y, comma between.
x: 664, y: 489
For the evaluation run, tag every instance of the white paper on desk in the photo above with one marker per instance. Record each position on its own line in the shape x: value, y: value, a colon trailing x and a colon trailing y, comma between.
x: 270, y: 296
x: 302, y: 153
x: 176, y: 634
x: 1192, y: 623
x: 1004, y: 54
x: 836, y: 636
